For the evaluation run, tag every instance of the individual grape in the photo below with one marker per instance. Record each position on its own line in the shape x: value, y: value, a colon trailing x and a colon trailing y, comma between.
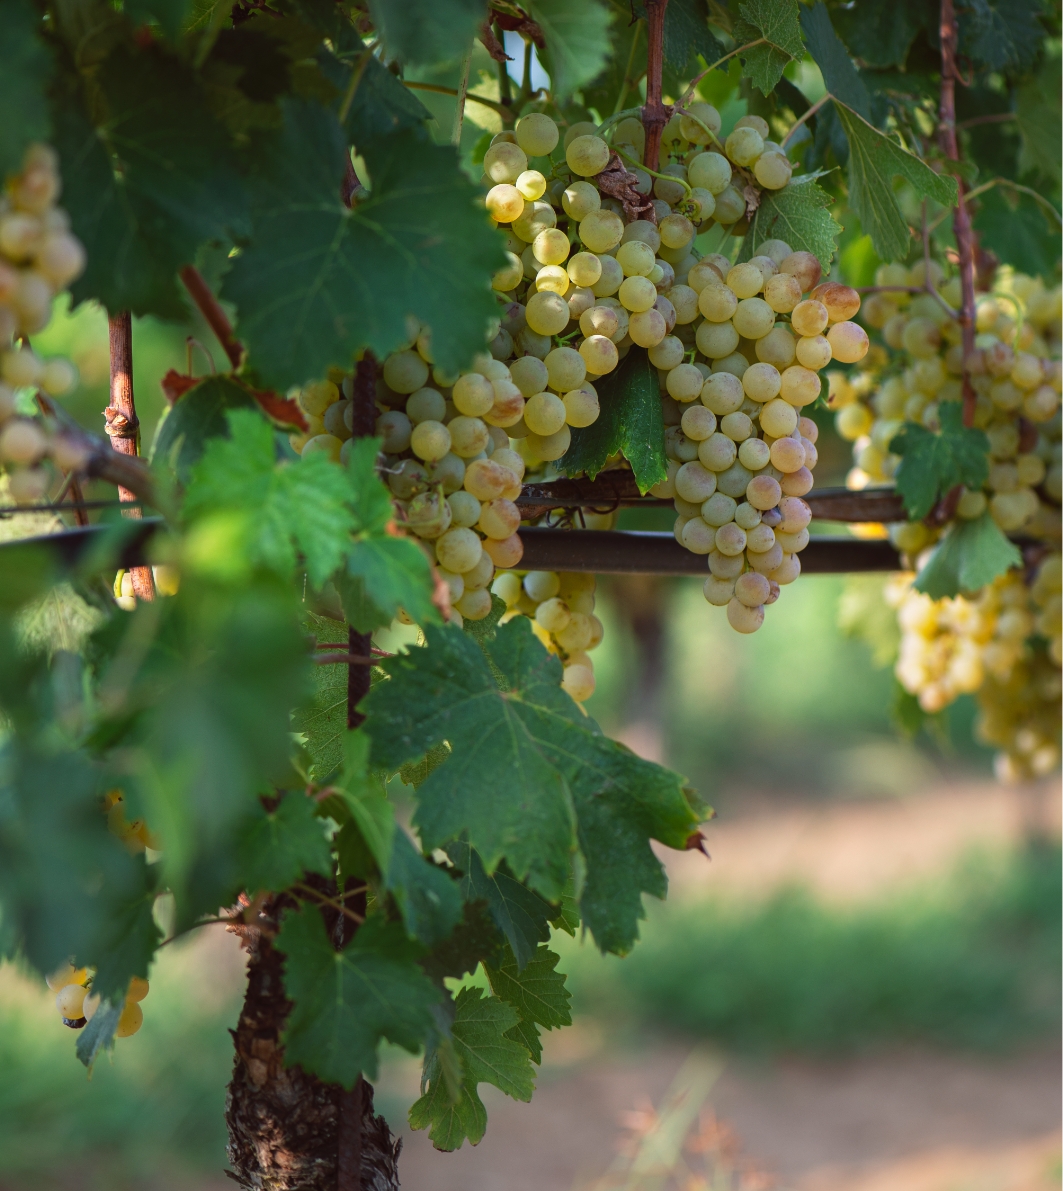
x: 637, y: 294
x: 778, y: 348
x: 853, y: 421
x: 761, y: 382
x: 578, y: 682
x: 610, y: 280
x: 685, y: 303
x: 535, y: 218
x: 635, y: 258
x: 809, y: 318
x: 753, y: 453
x: 737, y: 426
x: 797, y: 483
x: 472, y: 394
x: 684, y: 383
x: 717, y: 303
x: 752, y: 589
x: 60, y: 258
x: 735, y: 363
x: 730, y: 206
x: 760, y: 539
x: 22, y: 441
x: 404, y: 372
x: 426, y: 405
x: 468, y: 436
x: 753, y: 318
x: 744, y: 146
x: 699, y: 123
x: 464, y: 509
x: 695, y: 483
x: 581, y: 407
x: 505, y: 203
x: 647, y: 328
x: 552, y: 446
x: 552, y: 279
x: 536, y: 134
x: 580, y: 199
x: 459, y: 550
x: 726, y: 566
x: 70, y: 1001
x: 840, y: 301
x: 584, y: 269
x: 601, y: 231
x: 599, y: 355
x: 487, y: 479
x: 551, y: 247
x: 504, y: 162
x: 547, y: 313
x: 745, y: 280
x: 697, y: 536
x: 778, y: 418
x: 510, y: 276
x: 711, y: 171
x: 600, y: 320
x: 717, y: 452
x: 800, y: 386
x: 742, y: 618
x: 787, y: 454
x: 409, y: 478
x: 719, y: 509
x: 531, y: 184
x: 448, y: 473
x: 676, y: 231
x: 130, y: 1020
x: 773, y: 170
x: 718, y: 591
x: 814, y: 351
x: 716, y: 340
x: 730, y: 540
x: 428, y: 515
x: 429, y: 440
x: 587, y: 155
x: 848, y: 342
x: 553, y: 615
x: 326, y: 444
x: 544, y: 414
x: 698, y: 423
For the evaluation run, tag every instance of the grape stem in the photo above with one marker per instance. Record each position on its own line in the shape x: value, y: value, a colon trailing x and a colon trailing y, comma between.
x: 692, y: 86
x: 802, y: 119
x: 209, y: 306
x: 655, y: 114
x: 654, y: 173
x: 502, y: 109
x: 324, y: 900
x: 961, y: 220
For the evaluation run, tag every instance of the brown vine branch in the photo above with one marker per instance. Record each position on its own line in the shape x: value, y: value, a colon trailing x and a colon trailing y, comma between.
x: 654, y: 113
x: 209, y: 306
x: 123, y: 427
x: 961, y: 220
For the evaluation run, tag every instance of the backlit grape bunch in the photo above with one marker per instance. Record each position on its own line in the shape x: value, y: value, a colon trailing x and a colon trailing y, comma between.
x: 39, y: 257
x: 77, y: 1004
x: 561, y: 609
x: 1015, y: 372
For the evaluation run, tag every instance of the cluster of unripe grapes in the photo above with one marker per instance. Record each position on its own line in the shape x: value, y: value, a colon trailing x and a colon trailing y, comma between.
x: 1016, y: 375
x: 39, y: 257
x: 560, y: 606
x: 77, y: 1004
x: 1002, y: 645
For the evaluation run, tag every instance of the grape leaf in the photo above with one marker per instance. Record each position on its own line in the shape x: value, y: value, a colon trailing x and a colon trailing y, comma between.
x: 133, y: 938
x: 381, y: 104
x: 538, y: 994
x: 323, y: 718
x: 970, y: 556
x: 98, y: 1034
x: 346, y: 1002
x: 558, y: 767
x: 25, y: 70
x: 686, y: 32
x: 519, y: 912
x: 170, y: 14
x: 476, y: 939
x: 932, y: 462
x: 302, y: 505
x: 487, y: 1055
x: 880, y: 32
x: 840, y: 76
x: 318, y: 282
x: 874, y: 160
x: 198, y: 416
x: 397, y: 574
x: 277, y: 846
x: 427, y: 31
x: 1019, y: 230
x: 577, y: 41
x: 625, y: 61
x: 1040, y: 125
x: 428, y: 899
x: 145, y: 189
x: 778, y: 23
x: 797, y: 214
x: 630, y: 421
x: 1002, y: 36
x: 481, y: 629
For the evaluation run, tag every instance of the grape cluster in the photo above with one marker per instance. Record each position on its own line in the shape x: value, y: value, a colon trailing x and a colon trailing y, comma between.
x: 77, y: 1004
x: 1015, y: 372
x: 39, y: 257
x: 561, y: 609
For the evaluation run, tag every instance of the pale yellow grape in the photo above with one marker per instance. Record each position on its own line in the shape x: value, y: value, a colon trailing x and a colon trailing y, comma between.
x: 722, y: 393
x: 473, y: 394
x: 814, y: 351
x: 429, y: 440
x: 763, y: 492
x: 726, y: 566
x: 130, y: 1020
x: 504, y: 203
x: 60, y: 258
x: 718, y: 591
x: 578, y: 634
x: 668, y: 353
x: 696, y: 536
x: 579, y: 301
x: 805, y: 268
x: 765, y: 266
x: 747, y: 516
x: 759, y: 540
x: 565, y: 369
x: 807, y: 429
x: 797, y: 483
x: 528, y: 374
x: 792, y: 542
x: 695, y: 483
x: 755, y: 122
x: 773, y: 170
x: 464, y: 509
x: 796, y: 514
x: 753, y: 318
x: 610, y: 280
x: 637, y: 294
x: 676, y: 231
x: 841, y: 301
x: 504, y: 162
x: 325, y: 444
x: 551, y: 247
x: 58, y: 376
x: 547, y: 313
x: 508, y: 408
x: 778, y: 418
x: 581, y: 407
x: 70, y: 1000
x: 505, y: 552
x: 809, y: 318
x: 778, y: 250
x: 510, y: 276
x: 692, y: 130
x: 553, y: 279
x: 580, y: 199
x: 754, y: 453
x: 711, y: 171
x: 668, y: 188
x: 511, y: 461
x: 429, y: 515
x: 730, y: 539
x: 735, y: 363
x: 685, y: 301
x: 448, y: 472
x: 507, y: 587
x: 777, y: 348
x: 800, y: 386
x: 698, y: 423
x: 335, y: 419
x: 542, y: 585
x: 684, y: 383
x: 742, y: 618
x: 685, y: 508
x: 642, y: 231
x: 737, y: 426
x: 601, y: 230
x: 426, y: 405
x: 544, y: 414
x: 531, y: 184
x: 553, y: 614
x: 551, y: 446
x: 578, y: 682
x: 459, y: 550
x: 587, y: 155
x: 706, y: 202
x: 317, y: 397
x: 404, y: 372
x: 648, y: 327
x: 1041, y: 404
x: 717, y: 303
x: 486, y: 479
x: 787, y: 570
x: 848, y: 342
x: 717, y: 452
x: 468, y: 436
x: 746, y: 280
x: 599, y: 355
x: 787, y: 454
x: 782, y: 293
x: 535, y: 218
x: 635, y: 258
x: 584, y: 269
x: 716, y: 340
x: 744, y: 146
x: 718, y: 510
x: 602, y: 320
x: 761, y: 382
x: 536, y: 134
x: 752, y: 589
x: 499, y: 518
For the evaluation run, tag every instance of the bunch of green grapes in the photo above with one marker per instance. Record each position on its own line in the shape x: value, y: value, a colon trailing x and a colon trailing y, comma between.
x: 1015, y: 372
x: 39, y: 257
x: 77, y: 1004
x: 560, y: 606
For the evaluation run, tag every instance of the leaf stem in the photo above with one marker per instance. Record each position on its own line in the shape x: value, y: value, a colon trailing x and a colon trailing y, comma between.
x: 209, y: 306
x: 628, y: 81
x: 463, y: 91
x: 325, y: 900
x: 654, y: 173
x: 501, y: 108
x: 807, y: 116
x: 692, y: 86
x: 352, y: 86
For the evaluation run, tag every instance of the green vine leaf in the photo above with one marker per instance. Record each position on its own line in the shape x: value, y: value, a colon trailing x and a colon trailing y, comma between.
x: 424, y: 32
x: 799, y: 215
x: 933, y: 463
x: 840, y: 75
x: 630, y: 422
x: 319, y: 282
x: 577, y: 41
x: 25, y: 71
x: 194, y: 419
x: 277, y: 846
x: 874, y: 160
x: 686, y: 32
x: 1018, y: 229
x: 346, y: 1002
x: 778, y: 22
x: 538, y: 994
x: 970, y: 555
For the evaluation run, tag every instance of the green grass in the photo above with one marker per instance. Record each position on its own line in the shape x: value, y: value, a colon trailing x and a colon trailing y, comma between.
x: 970, y: 962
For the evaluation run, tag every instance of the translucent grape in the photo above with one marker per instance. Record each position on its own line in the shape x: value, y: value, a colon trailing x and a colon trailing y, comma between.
x: 603, y: 320
x: 637, y: 294
x: 737, y: 426
x: 547, y: 313
x: 599, y: 355
x: 531, y: 184
x: 782, y: 292
x: 745, y: 280
x: 773, y: 170
x: 581, y: 407
x: 684, y: 382
x: 730, y: 206
x: 587, y: 155
x: 778, y: 418
x: 744, y: 146
x: 848, y: 342
x: 841, y: 301
x: 809, y: 318
x: 580, y: 199
x: 536, y: 134
x: 473, y: 395
x: 777, y: 348
x: 584, y: 269
x: 716, y: 340
x: 551, y: 247
x: 601, y: 230
x: 429, y: 440
x: 742, y: 618
x: 804, y: 267
x: 635, y: 258
x: 717, y: 452
x: 610, y: 280
x: 425, y: 405
x: 504, y: 162
x: 753, y: 318
x: 536, y: 217
x: 553, y: 279
x: 504, y: 203
x: 722, y: 393
x: 814, y: 351
x: 676, y: 231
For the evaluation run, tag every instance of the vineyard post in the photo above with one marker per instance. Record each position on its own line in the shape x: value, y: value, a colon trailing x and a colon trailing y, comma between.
x: 123, y: 426
x: 654, y: 113
x: 961, y: 220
